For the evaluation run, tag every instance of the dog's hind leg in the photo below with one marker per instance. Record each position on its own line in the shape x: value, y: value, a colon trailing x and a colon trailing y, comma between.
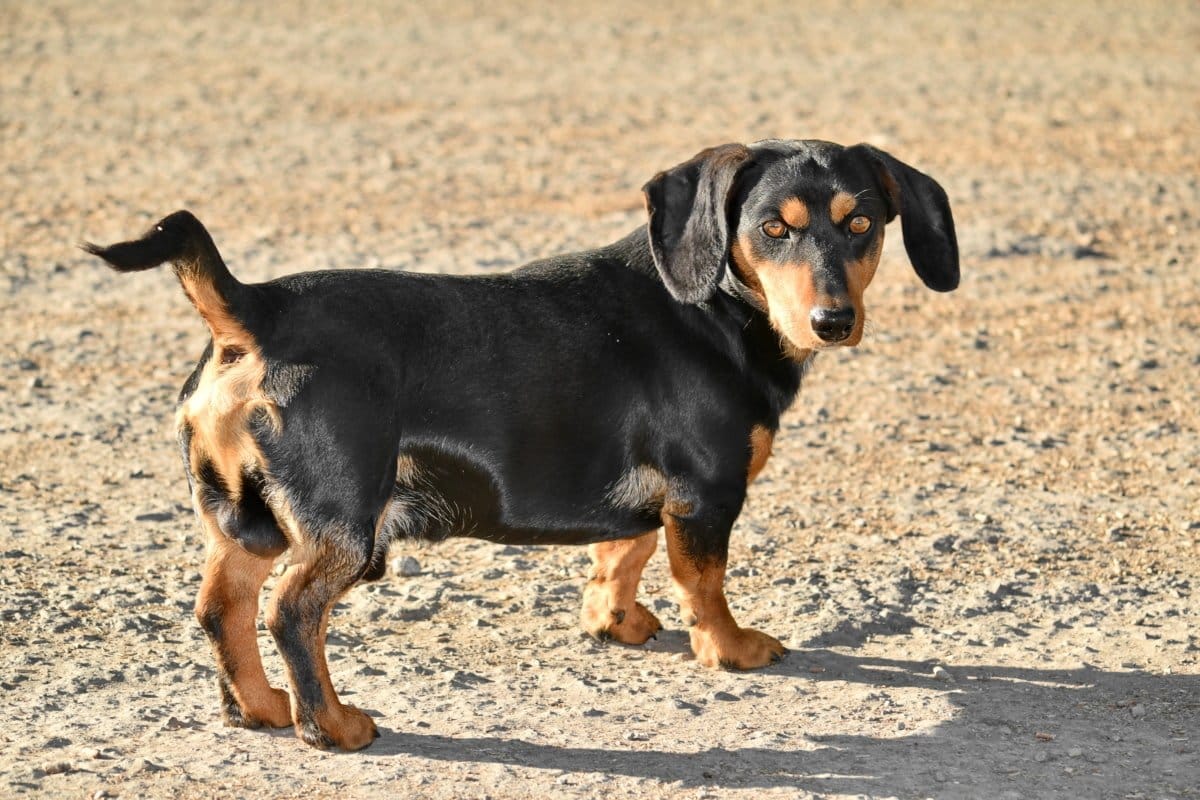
x: 227, y: 608
x: 298, y: 616
x: 610, y: 606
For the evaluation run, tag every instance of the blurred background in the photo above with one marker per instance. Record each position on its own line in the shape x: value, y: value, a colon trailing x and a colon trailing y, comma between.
x: 399, y: 128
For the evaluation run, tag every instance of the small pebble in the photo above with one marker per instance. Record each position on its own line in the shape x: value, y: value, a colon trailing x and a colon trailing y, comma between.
x: 144, y: 765
x: 406, y: 566
x: 940, y: 674
x: 1138, y: 711
x: 55, y: 768
x: 726, y: 696
x: 1075, y: 752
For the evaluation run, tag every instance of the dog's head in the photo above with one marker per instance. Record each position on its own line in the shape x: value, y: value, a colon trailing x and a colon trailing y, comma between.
x: 796, y: 229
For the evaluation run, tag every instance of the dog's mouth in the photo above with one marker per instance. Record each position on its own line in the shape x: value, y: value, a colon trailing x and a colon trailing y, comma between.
x: 852, y: 340
x: 800, y: 345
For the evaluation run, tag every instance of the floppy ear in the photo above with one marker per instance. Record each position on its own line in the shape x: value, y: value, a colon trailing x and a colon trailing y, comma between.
x: 689, y: 226
x: 924, y: 217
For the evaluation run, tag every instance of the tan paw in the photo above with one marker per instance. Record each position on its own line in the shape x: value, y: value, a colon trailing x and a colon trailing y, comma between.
x: 274, y: 710
x: 632, y: 625
x: 735, y: 648
x: 345, y: 728
x: 265, y: 707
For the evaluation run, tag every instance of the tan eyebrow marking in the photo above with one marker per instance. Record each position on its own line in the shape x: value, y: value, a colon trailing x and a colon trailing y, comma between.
x: 794, y: 212
x: 841, y: 205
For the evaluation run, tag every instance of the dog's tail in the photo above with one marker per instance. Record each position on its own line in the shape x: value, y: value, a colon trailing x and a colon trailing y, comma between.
x: 182, y: 240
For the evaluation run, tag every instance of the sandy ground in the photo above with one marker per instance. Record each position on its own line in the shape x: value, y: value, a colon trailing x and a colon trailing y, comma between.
x: 980, y: 535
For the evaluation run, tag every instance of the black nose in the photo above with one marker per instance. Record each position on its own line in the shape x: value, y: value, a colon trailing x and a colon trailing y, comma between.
x: 832, y: 324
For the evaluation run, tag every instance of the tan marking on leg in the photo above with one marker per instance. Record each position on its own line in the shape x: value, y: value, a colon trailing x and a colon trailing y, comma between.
x: 343, y: 726
x: 716, y: 638
x: 794, y: 212
x: 761, y: 440
x: 610, y: 607
x: 350, y: 728
x: 229, y: 597
x: 840, y: 206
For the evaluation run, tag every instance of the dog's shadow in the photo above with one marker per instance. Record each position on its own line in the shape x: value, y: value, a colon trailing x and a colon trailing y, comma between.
x: 1017, y: 730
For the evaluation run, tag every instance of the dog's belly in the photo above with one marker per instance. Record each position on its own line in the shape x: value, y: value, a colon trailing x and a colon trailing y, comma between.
x: 439, y: 495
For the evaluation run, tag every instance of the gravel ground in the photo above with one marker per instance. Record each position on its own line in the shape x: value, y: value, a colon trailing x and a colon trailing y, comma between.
x: 980, y: 534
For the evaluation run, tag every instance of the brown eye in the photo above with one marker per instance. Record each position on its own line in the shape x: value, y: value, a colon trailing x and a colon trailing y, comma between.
x: 860, y: 224
x: 774, y: 228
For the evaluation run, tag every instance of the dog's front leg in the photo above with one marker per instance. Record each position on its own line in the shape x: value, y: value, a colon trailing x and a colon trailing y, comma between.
x: 697, y: 548
x: 610, y: 606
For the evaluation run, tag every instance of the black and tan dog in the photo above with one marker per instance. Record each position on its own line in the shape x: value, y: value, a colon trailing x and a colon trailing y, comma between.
x: 585, y: 399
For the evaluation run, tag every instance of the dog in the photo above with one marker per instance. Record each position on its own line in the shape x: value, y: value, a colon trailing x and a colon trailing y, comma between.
x: 589, y: 399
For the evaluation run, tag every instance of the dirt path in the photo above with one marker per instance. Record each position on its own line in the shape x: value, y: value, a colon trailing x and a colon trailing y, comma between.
x: 980, y: 534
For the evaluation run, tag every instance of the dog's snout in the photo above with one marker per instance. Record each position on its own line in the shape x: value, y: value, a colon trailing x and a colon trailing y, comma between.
x: 832, y: 324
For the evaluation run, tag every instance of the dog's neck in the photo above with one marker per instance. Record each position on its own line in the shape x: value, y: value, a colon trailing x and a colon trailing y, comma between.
x: 770, y: 369
x: 732, y: 285
x: 769, y: 364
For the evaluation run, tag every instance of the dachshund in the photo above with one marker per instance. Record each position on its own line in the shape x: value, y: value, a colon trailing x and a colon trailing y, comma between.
x: 591, y: 398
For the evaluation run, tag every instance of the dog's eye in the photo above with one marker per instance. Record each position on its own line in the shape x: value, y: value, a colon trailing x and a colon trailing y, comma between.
x: 860, y: 224
x: 774, y: 228
x: 231, y: 355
